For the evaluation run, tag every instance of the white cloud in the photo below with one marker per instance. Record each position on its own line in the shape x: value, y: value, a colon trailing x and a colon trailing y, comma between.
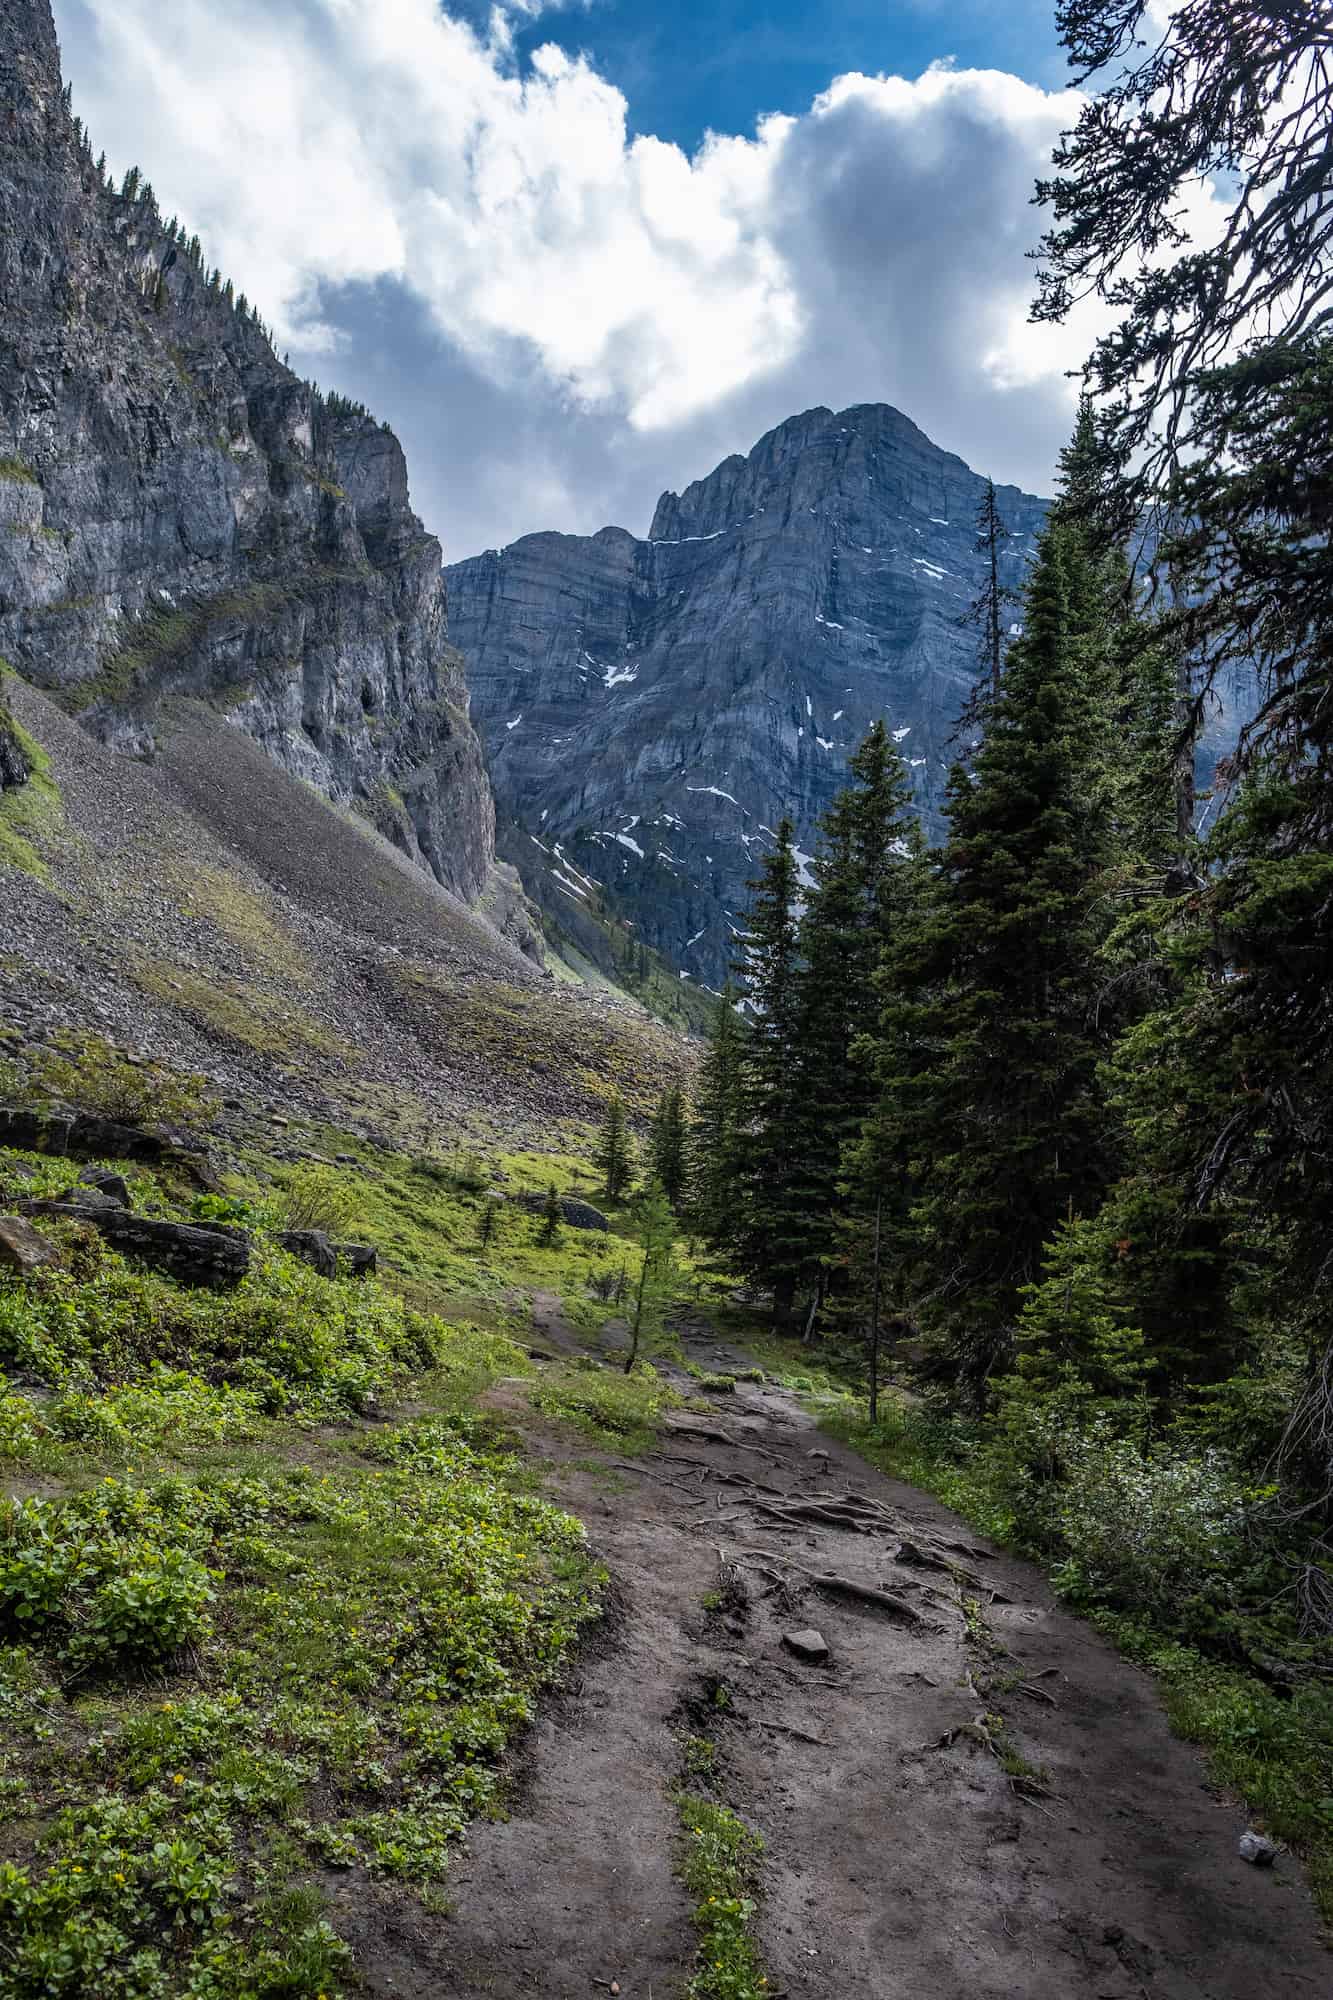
x: 624, y: 312
x: 334, y: 141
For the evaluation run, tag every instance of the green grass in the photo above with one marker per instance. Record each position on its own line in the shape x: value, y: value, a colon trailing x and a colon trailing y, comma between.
x: 720, y: 1869
x: 17, y: 471
x: 31, y: 814
x: 251, y: 1635
x: 617, y: 1411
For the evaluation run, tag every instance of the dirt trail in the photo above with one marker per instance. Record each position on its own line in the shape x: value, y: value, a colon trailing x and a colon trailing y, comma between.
x: 902, y: 1863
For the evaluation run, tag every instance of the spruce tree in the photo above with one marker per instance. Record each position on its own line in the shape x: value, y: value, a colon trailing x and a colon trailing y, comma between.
x: 715, y: 1129
x: 989, y: 608
x: 667, y: 1147
x: 1008, y: 1121
x: 882, y: 1164
x: 612, y: 1158
x: 552, y: 1216
x: 772, y: 1244
x: 866, y: 838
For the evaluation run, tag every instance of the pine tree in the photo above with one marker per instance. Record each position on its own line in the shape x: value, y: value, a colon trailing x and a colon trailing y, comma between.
x: 988, y: 608
x: 552, y: 1217
x: 612, y: 1158
x: 667, y: 1147
x: 490, y: 1215
x: 1009, y: 1121
x: 866, y: 838
x: 715, y: 1130
x: 882, y: 1164
x: 772, y: 1244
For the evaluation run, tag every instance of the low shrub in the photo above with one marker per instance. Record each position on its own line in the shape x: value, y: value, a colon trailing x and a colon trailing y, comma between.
x: 112, y: 1578
x: 88, y: 1074
x: 314, y: 1197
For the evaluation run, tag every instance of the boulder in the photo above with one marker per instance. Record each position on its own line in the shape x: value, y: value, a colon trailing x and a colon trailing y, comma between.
x: 23, y: 1248
x: 1257, y: 1849
x: 313, y: 1247
x: 357, y: 1260
x: 577, y: 1214
x: 330, y: 1259
x: 111, y: 1184
x: 194, y: 1253
x: 80, y: 1135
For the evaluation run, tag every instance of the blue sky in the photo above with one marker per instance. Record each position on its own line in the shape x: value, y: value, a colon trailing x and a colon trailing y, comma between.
x: 717, y: 64
x: 576, y: 254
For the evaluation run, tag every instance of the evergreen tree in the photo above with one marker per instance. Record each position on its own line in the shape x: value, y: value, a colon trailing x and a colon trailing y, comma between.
x: 667, y: 1147
x: 848, y: 916
x: 490, y: 1215
x: 129, y: 187
x: 772, y: 1243
x: 552, y: 1216
x: 988, y: 609
x: 715, y: 1130
x: 1008, y: 1120
x: 883, y: 1163
x: 613, y: 1158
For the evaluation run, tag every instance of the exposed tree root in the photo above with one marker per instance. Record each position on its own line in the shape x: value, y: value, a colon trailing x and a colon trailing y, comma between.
x: 843, y: 1586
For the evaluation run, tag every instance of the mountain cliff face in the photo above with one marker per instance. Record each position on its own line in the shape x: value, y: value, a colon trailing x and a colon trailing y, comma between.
x: 652, y: 707
x: 181, y: 516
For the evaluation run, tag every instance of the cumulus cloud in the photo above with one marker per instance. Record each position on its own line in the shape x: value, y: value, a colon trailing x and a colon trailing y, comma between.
x: 560, y: 319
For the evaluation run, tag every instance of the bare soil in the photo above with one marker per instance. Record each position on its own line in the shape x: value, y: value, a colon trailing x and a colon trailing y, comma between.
x: 903, y: 1861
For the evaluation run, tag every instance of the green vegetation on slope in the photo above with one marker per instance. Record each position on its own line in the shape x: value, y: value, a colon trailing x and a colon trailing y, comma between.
x: 30, y: 813
x: 255, y: 1642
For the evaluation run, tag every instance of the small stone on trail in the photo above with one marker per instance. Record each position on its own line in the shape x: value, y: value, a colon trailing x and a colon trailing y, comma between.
x: 818, y: 1452
x: 1257, y: 1848
x: 807, y: 1645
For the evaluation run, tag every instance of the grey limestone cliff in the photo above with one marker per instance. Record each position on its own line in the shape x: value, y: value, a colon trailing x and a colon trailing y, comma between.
x: 181, y: 516
x: 652, y: 706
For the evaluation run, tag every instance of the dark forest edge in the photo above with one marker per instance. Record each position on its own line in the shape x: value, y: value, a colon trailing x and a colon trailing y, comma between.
x: 1047, y: 1113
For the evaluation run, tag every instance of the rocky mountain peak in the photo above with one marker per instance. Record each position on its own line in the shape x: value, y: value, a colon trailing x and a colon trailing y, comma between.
x: 653, y: 707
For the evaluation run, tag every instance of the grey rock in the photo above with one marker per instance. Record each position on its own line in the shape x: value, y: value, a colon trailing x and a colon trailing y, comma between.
x: 113, y: 1185
x: 1258, y: 1849
x: 80, y: 1135
x: 578, y: 1214
x: 807, y: 1645
x: 210, y: 1254
x: 313, y: 1247
x: 182, y: 516
x: 330, y: 1259
x: 23, y: 1248
x: 357, y: 1260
